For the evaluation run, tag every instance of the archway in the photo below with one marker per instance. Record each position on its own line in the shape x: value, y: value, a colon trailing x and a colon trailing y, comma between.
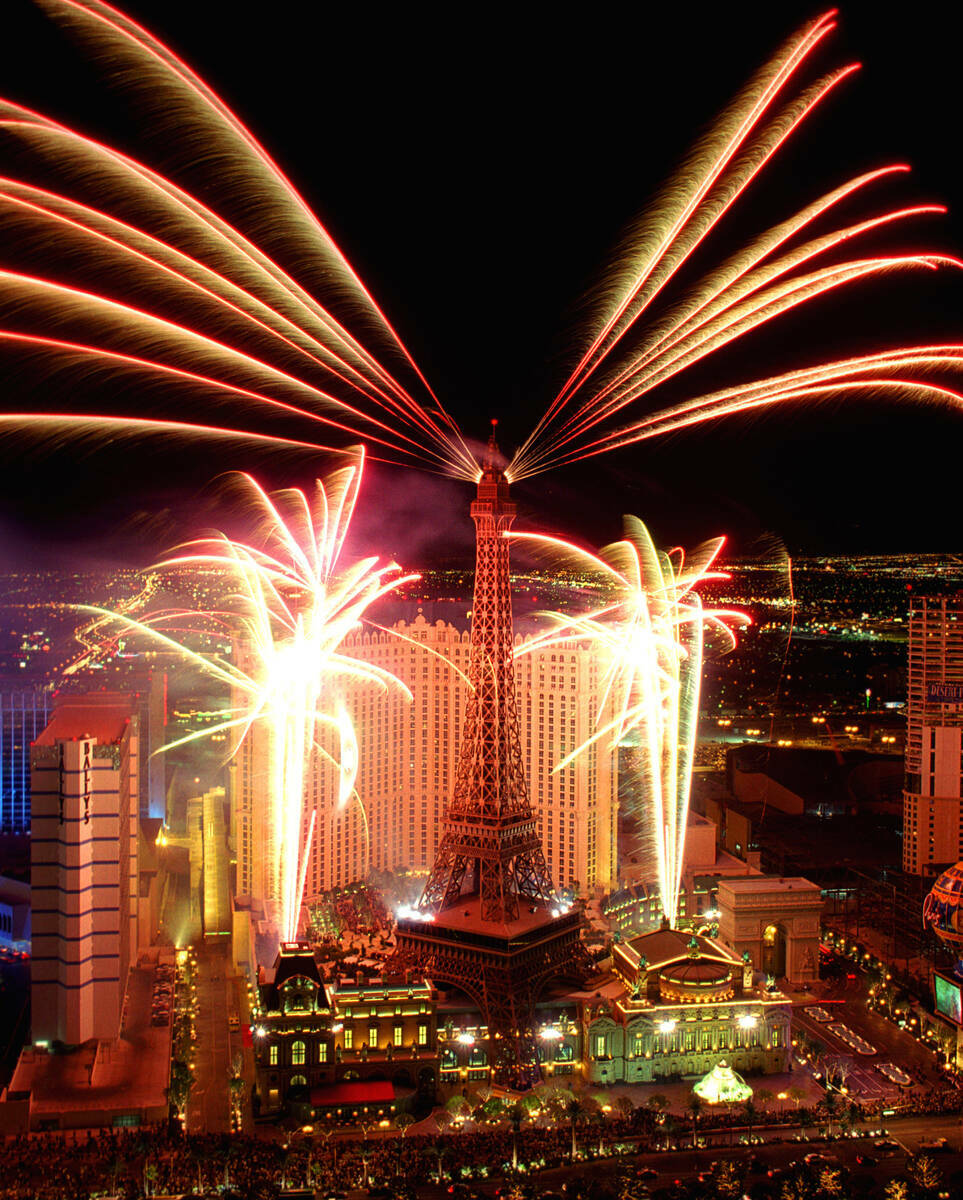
x: 774, y: 951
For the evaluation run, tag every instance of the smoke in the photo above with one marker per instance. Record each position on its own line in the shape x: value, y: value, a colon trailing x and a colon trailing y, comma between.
x: 415, y: 519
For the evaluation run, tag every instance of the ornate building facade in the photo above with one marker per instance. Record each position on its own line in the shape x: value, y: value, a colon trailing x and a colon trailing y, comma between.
x: 311, y: 1037
x: 675, y: 1006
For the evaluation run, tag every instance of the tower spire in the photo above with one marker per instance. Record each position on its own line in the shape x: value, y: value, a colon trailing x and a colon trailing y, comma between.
x: 489, y: 921
x: 491, y: 845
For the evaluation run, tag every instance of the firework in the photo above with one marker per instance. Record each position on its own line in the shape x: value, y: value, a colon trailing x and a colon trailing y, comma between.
x: 196, y: 304
x: 293, y: 601
x: 646, y: 335
x: 220, y: 311
x: 649, y: 634
x: 195, y: 300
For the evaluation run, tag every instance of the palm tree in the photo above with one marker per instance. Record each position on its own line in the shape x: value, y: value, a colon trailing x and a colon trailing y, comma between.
x: 796, y: 1094
x: 695, y: 1107
x: 830, y: 1103
x: 573, y: 1109
x: 516, y: 1114
x: 750, y: 1110
x: 440, y: 1151
x: 765, y: 1097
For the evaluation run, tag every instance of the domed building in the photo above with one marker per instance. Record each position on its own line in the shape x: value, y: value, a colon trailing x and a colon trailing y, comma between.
x: 943, y: 913
x: 675, y: 1006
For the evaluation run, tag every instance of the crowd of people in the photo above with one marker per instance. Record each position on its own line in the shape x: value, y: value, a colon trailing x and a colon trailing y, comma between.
x: 160, y: 1161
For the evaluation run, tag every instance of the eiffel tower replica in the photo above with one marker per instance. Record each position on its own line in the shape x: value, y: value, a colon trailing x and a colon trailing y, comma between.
x: 489, y: 921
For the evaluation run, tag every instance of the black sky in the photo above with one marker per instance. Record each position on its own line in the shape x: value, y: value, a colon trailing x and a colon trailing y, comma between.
x: 476, y: 164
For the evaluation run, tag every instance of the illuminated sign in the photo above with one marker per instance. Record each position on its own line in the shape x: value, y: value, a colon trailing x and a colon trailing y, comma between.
x: 948, y: 1001
x: 945, y: 693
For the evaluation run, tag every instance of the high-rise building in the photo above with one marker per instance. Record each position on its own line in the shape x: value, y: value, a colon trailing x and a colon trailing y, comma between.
x: 84, y: 867
x: 409, y: 751
x: 932, y: 804
x: 23, y: 714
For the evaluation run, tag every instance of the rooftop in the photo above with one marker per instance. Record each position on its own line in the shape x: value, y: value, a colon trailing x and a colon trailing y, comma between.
x: 103, y: 716
x: 464, y: 921
x: 755, y: 884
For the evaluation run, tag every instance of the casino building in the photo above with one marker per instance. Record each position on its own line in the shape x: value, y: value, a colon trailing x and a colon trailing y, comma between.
x: 932, y: 804
x: 677, y: 1004
x: 345, y: 1050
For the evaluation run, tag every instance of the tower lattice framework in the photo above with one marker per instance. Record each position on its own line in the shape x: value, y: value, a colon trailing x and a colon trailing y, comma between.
x: 491, y: 844
x: 490, y: 920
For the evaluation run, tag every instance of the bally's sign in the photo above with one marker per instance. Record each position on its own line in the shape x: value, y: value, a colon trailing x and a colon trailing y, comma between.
x: 945, y: 693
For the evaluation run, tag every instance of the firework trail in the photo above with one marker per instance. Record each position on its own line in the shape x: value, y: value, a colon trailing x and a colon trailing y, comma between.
x: 650, y: 634
x: 196, y: 302
x: 159, y: 286
x: 246, y: 331
x: 293, y: 601
x: 645, y: 335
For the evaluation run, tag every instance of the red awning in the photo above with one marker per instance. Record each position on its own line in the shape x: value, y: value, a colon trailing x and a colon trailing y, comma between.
x: 374, y: 1092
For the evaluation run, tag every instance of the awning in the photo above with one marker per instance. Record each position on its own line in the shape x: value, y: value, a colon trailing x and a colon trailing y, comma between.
x: 373, y: 1092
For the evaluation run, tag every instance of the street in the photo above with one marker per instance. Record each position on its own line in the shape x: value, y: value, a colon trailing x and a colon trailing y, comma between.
x: 209, y: 1108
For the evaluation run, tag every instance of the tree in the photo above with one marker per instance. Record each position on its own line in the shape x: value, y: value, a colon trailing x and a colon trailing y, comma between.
x: 924, y: 1173
x: 459, y: 1108
x: 694, y: 1106
x: 402, y: 1121
x: 516, y: 1114
x: 573, y: 1110
x: 830, y: 1103
x: 796, y: 1094
x: 897, y: 1189
x: 750, y: 1110
x: 624, y: 1104
x: 765, y: 1097
x: 798, y: 1186
x: 831, y: 1181
x: 440, y: 1150
x: 727, y: 1180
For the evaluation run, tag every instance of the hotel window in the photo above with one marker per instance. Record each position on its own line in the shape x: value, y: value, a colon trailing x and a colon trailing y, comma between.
x: 398, y: 1035
x: 372, y: 1037
x: 298, y: 1054
x: 601, y: 1045
x: 422, y: 1035
x: 776, y: 1038
x: 273, y: 1056
x: 323, y: 1052
x: 349, y: 1039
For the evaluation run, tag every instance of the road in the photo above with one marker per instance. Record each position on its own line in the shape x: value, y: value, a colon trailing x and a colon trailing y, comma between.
x: 209, y: 1108
x: 688, y: 1164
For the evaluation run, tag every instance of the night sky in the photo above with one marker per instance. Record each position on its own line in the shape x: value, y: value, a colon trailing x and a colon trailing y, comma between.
x: 476, y: 165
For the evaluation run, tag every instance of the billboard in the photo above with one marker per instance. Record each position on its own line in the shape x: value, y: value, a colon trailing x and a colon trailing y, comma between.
x: 945, y: 693
x: 948, y: 1001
